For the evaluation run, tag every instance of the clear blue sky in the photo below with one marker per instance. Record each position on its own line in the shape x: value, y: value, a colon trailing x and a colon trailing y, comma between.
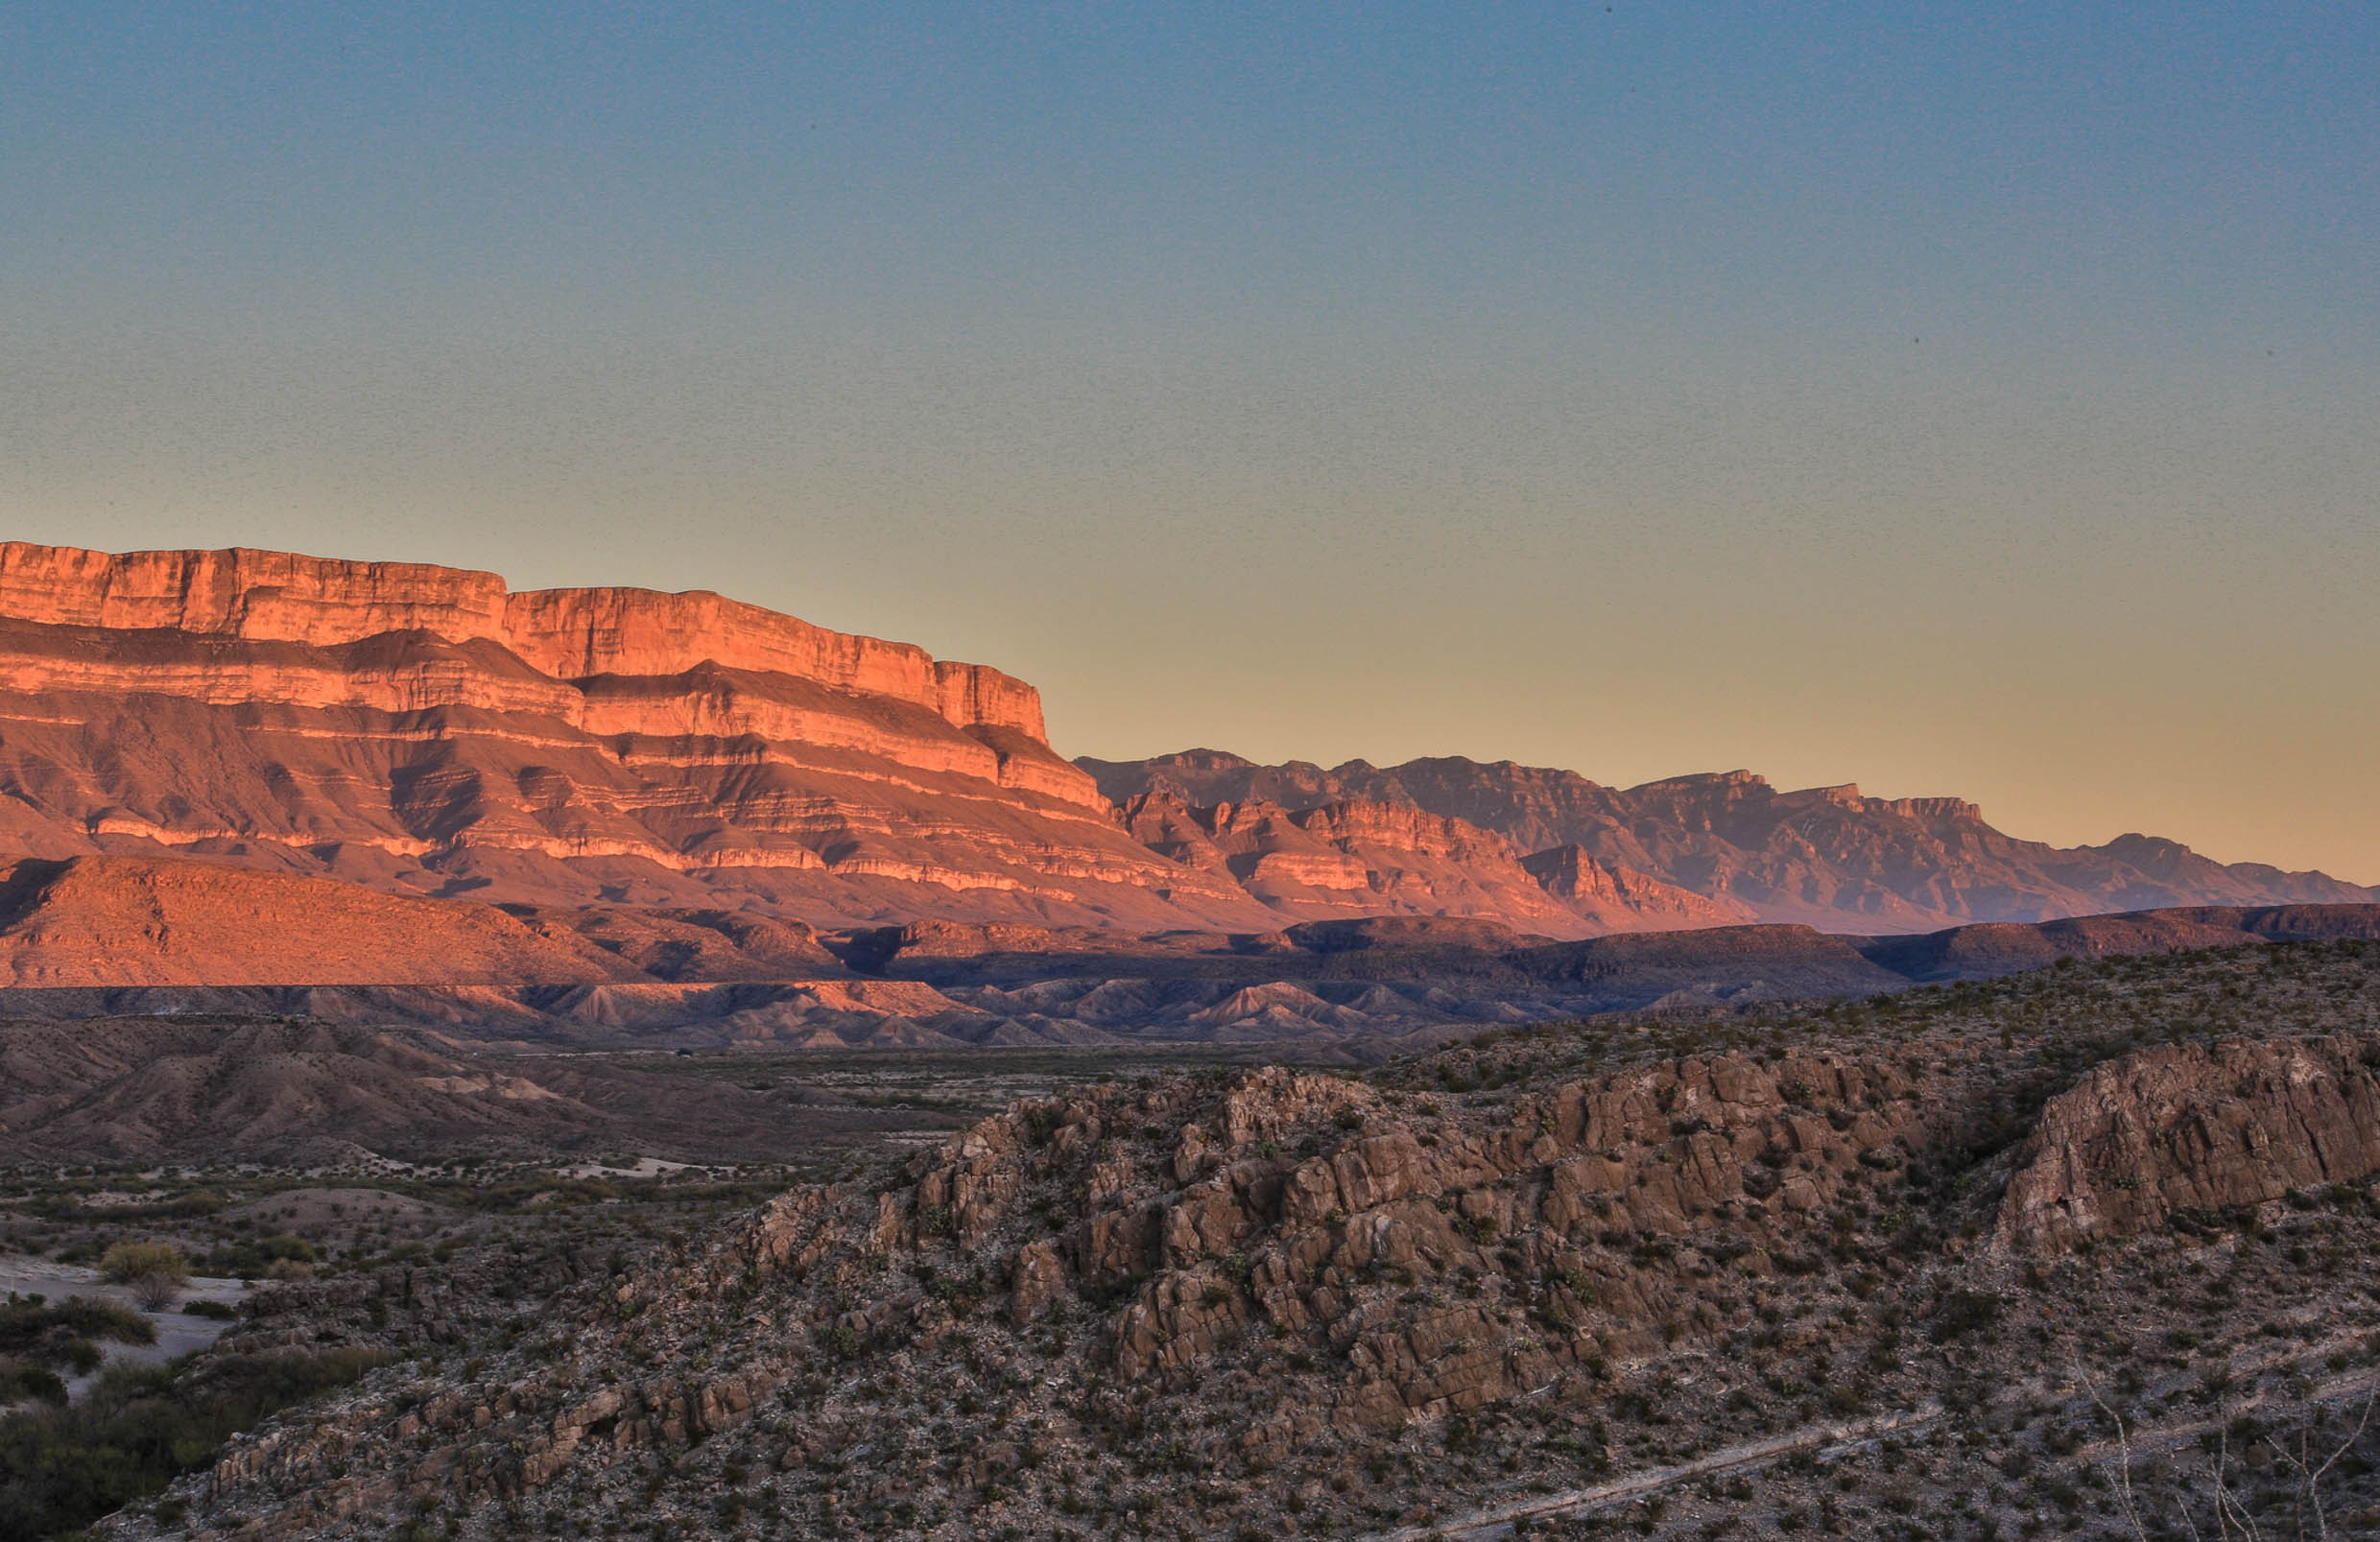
x: 1952, y: 398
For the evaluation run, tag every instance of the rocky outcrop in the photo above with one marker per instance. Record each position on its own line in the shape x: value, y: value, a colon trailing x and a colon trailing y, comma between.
x: 1294, y: 1203
x: 1356, y: 857
x: 1398, y: 1263
x: 1622, y: 899
x: 2194, y: 1127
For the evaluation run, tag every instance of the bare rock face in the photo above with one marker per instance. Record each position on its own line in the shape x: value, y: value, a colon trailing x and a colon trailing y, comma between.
x: 2194, y: 1126
x: 420, y: 729
x: 1218, y: 1226
x: 1622, y: 899
x: 1360, y: 857
x: 566, y: 633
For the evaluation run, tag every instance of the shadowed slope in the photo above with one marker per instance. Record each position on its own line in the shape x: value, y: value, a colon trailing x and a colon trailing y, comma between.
x: 126, y: 920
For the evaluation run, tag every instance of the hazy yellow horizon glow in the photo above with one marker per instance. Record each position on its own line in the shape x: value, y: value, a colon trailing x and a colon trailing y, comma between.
x: 1950, y: 400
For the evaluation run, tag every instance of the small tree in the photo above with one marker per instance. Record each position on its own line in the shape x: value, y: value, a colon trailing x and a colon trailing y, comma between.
x: 154, y: 1270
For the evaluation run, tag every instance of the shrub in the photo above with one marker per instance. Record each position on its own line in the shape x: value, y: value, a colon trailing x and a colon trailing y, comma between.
x: 40, y: 1334
x: 141, y: 1425
x: 249, y: 1260
x: 1963, y: 1312
x: 154, y: 1270
x: 22, y: 1381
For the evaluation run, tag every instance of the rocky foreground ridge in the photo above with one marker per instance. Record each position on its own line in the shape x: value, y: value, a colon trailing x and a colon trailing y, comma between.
x: 425, y: 730
x: 1220, y: 1300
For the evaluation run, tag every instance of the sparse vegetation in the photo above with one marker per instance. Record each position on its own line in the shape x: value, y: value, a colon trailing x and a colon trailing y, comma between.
x: 156, y: 1271
x: 1701, y: 1275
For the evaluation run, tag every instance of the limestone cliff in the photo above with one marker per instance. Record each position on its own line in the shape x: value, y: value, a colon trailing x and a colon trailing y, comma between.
x: 1359, y: 858
x: 418, y: 729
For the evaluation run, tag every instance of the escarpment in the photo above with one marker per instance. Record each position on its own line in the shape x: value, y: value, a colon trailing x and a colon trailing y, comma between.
x: 568, y: 634
x: 420, y: 729
x: 423, y: 730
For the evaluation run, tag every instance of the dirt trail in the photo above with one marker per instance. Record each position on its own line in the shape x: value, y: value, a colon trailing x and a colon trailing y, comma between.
x: 1497, y: 1520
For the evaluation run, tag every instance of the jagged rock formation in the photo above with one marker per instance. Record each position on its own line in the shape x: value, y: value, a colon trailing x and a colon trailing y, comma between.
x: 2195, y: 1127
x: 1826, y: 857
x: 1369, y: 857
x: 1356, y: 858
x: 1209, y: 1226
x: 1226, y: 1236
x: 1622, y: 899
x: 416, y: 728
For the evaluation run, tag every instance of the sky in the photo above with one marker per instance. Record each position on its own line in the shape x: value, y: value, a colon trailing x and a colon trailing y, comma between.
x: 1972, y: 399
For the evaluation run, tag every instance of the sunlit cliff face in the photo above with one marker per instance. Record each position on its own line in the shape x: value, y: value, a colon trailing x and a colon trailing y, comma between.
x: 386, y: 721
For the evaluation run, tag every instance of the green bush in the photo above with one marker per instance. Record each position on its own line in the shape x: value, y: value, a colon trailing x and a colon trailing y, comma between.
x: 140, y: 1426
x: 130, y: 1263
x: 35, y: 1332
x: 250, y: 1260
x: 21, y: 1381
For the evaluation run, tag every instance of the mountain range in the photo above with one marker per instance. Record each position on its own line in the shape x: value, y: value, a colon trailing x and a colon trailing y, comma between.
x: 1701, y: 850
x: 424, y: 732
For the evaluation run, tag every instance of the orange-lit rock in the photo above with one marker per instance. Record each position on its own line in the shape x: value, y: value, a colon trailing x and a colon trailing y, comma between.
x: 417, y: 728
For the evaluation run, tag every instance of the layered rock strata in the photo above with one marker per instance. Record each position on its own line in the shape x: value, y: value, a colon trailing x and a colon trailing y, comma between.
x: 421, y: 728
x: 1359, y: 857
